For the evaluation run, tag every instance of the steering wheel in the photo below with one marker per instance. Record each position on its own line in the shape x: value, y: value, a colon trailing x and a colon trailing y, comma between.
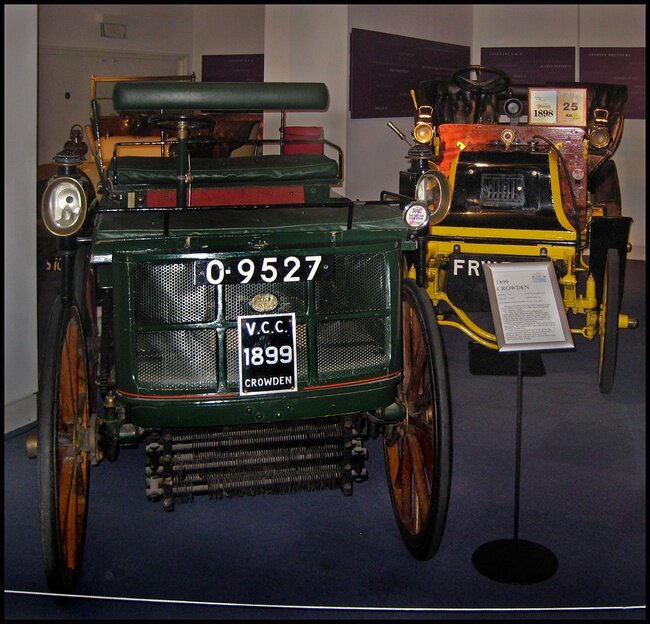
x: 174, y: 121
x: 481, y: 79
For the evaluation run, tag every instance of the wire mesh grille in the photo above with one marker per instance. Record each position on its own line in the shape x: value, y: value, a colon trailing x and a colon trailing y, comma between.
x: 177, y: 359
x: 360, y: 285
x: 351, y: 346
x: 166, y: 293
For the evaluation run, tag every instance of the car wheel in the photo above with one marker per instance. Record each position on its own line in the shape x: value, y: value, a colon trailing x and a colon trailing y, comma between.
x: 63, y: 418
x: 418, y: 451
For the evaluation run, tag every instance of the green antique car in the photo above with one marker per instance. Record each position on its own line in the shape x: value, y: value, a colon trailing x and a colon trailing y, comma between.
x: 239, y: 319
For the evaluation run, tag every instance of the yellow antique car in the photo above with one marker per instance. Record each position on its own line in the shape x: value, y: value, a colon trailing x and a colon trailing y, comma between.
x: 498, y: 175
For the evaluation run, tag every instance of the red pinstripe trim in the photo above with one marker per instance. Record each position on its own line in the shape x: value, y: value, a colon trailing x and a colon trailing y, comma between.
x: 212, y: 395
x: 342, y: 384
x: 353, y: 383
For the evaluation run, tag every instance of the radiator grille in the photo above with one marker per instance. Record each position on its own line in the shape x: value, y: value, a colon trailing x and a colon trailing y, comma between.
x: 502, y: 190
x: 184, y: 333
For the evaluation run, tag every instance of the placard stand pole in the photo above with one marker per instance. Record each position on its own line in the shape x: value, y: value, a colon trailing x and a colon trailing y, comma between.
x: 520, y: 393
x: 514, y: 560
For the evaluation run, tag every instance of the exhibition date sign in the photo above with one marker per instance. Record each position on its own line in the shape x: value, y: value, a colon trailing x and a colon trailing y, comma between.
x: 562, y: 107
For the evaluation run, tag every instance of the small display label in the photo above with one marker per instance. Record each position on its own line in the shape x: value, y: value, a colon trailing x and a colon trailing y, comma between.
x: 542, y: 106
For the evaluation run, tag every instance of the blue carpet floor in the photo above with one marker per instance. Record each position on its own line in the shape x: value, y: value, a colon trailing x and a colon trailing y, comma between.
x: 325, y: 556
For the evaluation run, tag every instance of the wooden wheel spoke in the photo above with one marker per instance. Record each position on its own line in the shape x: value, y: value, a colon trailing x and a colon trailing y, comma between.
x: 422, y: 493
x: 66, y: 386
x: 73, y: 483
x: 420, y: 402
x: 403, y: 482
x: 425, y: 443
x: 419, y: 359
x: 67, y: 505
x: 392, y: 451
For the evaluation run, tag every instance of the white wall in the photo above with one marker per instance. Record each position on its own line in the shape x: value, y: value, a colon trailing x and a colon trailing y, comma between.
x: 168, y: 28
x: 623, y: 25
x: 309, y: 43
x: 226, y: 29
x: 20, y: 357
x: 583, y: 25
x: 71, y: 49
x: 374, y: 153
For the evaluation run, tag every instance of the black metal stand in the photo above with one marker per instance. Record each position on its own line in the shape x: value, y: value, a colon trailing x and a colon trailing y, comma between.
x: 515, y: 560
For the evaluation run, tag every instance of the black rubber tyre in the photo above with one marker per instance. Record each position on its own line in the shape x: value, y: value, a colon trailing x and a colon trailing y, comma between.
x: 608, y: 326
x: 63, y: 414
x: 418, y: 454
x: 84, y: 295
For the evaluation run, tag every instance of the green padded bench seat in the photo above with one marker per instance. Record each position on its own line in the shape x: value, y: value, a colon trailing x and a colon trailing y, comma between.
x: 219, y: 96
x: 298, y: 168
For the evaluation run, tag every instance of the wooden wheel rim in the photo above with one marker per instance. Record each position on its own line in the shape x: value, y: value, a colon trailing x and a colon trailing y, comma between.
x: 63, y: 464
x: 410, y: 454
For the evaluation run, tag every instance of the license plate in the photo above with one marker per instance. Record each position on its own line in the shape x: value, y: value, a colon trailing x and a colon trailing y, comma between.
x: 468, y: 265
x: 466, y: 286
x: 267, y: 353
x: 270, y: 269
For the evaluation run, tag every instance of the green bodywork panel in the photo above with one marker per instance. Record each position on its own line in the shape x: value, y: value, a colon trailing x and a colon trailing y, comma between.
x: 326, y: 222
x: 244, y: 170
x: 124, y: 242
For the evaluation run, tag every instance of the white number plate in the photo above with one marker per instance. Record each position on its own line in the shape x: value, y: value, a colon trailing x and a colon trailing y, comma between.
x: 258, y: 270
x: 267, y: 353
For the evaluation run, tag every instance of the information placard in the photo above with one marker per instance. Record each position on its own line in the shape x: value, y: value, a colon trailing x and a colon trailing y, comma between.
x: 533, y: 65
x: 384, y: 67
x: 621, y: 66
x: 527, y: 307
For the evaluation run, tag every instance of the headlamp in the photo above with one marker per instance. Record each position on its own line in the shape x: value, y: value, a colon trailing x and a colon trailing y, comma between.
x: 599, y: 134
x: 423, y: 131
x: 513, y: 108
x: 64, y: 206
x: 433, y: 191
